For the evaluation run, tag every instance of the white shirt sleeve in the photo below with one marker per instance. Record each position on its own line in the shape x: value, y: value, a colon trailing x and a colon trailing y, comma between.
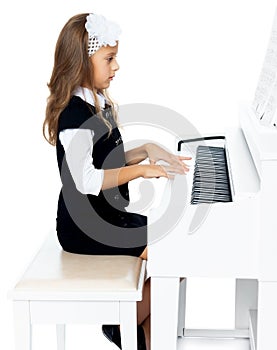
x: 78, y: 146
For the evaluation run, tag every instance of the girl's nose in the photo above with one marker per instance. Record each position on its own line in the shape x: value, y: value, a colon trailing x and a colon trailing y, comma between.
x: 115, y: 65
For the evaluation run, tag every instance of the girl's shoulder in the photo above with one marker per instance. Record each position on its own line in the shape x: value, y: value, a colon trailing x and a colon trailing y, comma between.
x: 77, y: 114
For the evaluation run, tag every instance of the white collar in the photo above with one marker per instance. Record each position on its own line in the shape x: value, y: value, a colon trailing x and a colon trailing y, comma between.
x: 87, y: 95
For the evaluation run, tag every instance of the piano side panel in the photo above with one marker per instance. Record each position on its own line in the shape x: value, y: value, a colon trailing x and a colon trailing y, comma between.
x: 225, y: 245
x: 268, y: 228
x: 262, y: 142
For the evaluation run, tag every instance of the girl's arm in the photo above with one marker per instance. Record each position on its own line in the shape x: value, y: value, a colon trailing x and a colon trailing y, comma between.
x: 136, y: 155
x: 120, y: 176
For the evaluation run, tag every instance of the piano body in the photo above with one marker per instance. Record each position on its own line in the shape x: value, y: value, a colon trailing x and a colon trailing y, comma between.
x: 236, y: 238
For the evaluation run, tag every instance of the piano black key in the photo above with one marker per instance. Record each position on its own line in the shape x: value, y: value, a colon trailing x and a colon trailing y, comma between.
x: 210, y: 200
x: 211, y: 195
x: 209, y: 178
x: 210, y: 182
x: 210, y: 188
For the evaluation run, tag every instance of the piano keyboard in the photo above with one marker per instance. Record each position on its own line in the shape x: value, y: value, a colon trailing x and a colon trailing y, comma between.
x: 210, y: 179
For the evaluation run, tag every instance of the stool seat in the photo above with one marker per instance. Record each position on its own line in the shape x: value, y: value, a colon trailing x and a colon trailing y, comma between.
x: 55, y: 270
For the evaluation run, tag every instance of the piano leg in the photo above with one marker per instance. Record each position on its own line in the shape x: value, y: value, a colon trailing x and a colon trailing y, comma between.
x: 266, y: 321
x: 164, y: 312
x: 182, y: 307
x: 246, y: 299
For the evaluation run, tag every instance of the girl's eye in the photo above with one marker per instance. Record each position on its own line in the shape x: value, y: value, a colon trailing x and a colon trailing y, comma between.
x: 109, y: 59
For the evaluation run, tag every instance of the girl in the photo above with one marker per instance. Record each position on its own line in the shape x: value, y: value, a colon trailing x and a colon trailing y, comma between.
x: 81, y: 121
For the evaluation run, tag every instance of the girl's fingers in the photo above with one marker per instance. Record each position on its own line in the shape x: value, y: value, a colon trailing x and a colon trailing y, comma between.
x: 173, y: 169
x: 180, y: 159
x: 170, y: 176
x: 180, y: 165
x: 184, y: 158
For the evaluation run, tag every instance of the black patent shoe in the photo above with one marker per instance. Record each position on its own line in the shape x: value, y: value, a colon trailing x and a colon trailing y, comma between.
x: 112, y: 333
x: 141, y: 338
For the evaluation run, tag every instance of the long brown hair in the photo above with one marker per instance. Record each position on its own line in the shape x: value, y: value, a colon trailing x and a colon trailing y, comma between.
x: 72, y: 68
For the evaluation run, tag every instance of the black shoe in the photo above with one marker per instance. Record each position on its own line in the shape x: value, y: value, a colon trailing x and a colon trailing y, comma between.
x: 141, y: 338
x: 112, y: 333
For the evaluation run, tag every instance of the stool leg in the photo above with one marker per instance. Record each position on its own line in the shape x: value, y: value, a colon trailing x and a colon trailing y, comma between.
x: 246, y: 299
x: 22, y: 323
x: 60, y: 329
x: 128, y: 325
x: 182, y: 307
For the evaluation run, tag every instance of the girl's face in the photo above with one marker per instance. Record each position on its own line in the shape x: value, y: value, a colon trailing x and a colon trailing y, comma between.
x: 104, y: 66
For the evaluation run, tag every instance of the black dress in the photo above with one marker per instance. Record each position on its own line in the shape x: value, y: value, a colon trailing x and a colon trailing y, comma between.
x: 88, y: 224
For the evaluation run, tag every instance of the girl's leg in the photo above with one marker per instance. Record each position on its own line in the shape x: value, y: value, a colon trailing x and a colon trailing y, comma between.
x: 143, y: 306
x: 147, y: 327
x: 144, y: 254
x: 143, y: 312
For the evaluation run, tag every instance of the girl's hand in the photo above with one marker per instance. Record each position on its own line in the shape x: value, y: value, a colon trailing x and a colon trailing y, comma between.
x: 156, y: 171
x: 156, y: 153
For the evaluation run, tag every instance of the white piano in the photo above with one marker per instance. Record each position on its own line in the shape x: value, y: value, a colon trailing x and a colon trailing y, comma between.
x: 233, y: 236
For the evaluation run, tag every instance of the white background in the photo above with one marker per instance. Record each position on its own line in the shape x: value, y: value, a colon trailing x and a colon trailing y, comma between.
x: 199, y: 58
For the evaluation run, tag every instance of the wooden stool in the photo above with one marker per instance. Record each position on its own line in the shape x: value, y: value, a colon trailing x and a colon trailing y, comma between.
x: 60, y: 288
